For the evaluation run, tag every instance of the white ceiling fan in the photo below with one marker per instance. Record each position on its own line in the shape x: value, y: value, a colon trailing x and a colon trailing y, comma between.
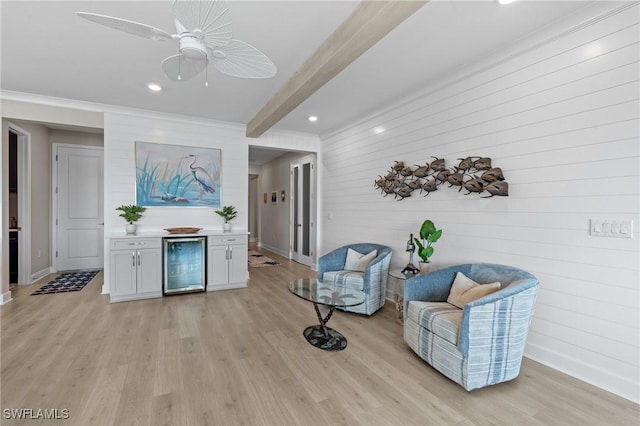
x: 203, y: 29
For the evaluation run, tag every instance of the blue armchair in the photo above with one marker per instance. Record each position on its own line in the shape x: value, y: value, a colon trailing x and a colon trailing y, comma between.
x: 481, y: 344
x: 373, y: 281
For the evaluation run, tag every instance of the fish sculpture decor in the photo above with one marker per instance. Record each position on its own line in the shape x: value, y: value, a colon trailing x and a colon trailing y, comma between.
x: 473, y: 174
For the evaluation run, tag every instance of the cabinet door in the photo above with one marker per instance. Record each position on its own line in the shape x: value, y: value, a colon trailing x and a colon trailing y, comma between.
x: 238, y: 258
x: 218, y: 267
x: 149, y: 271
x: 123, y: 272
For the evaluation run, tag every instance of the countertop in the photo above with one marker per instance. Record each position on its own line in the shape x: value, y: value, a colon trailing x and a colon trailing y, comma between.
x: 160, y: 234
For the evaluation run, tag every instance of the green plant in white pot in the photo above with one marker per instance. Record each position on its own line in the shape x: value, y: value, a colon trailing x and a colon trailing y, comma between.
x: 131, y: 213
x: 228, y: 213
x: 428, y: 235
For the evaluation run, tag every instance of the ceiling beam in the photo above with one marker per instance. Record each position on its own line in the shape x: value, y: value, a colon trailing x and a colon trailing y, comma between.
x: 369, y: 22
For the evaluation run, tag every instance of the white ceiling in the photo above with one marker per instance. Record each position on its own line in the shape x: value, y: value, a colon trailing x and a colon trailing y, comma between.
x: 48, y: 50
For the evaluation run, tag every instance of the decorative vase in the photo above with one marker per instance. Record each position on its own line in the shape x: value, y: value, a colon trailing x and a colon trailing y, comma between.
x: 131, y: 228
x: 226, y: 227
x: 425, y: 267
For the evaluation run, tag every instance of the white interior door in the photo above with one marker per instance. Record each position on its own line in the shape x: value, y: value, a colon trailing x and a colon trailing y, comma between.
x: 79, y: 221
x: 303, y: 210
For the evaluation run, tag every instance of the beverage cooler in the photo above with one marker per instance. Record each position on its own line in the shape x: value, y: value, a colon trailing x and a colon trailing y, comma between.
x: 184, y: 263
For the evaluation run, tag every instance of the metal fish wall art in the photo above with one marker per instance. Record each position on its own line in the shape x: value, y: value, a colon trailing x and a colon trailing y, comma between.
x: 475, y: 174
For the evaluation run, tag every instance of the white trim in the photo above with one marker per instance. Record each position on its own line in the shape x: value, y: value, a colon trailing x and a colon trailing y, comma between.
x: 275, y: 250
x: 24, y: 202
x: 54, y: 198
x: 5, y: 298
x: 43, y: 273
x: 10, y: 95
x: 622, y: 386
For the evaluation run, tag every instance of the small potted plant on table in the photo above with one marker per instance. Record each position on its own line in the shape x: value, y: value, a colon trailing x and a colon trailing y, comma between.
x: 131, y: 213
x: 428, y: 235
x: 228, y: 213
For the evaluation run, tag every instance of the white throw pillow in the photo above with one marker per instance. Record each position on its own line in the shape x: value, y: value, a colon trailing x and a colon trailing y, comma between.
x: 357, y: 261
x: 465, y: 290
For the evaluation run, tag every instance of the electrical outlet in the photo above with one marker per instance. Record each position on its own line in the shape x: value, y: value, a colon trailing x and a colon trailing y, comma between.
x: 611, y: 228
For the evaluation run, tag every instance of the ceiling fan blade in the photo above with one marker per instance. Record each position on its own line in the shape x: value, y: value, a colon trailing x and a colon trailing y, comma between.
x: 135, y: 28
x: 180, y: 68
x: 240, y: 59
x: 211, y: 17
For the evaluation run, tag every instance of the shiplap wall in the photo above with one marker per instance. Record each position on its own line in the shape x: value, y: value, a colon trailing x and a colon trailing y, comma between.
x: 560, y: 117
x: 121, y: 131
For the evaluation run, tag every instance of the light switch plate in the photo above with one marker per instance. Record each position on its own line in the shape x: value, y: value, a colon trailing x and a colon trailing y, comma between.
x: 611, y: 228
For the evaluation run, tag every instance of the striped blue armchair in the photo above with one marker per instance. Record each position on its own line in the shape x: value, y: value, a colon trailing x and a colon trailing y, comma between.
x: 481, y: 344
x: 373, y: 281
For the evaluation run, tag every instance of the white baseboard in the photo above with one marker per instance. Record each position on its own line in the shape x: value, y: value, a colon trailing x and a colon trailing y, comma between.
x: 592, y: 374
x: 274, y: 249
x: 5, y: 298
x: 35, y: 277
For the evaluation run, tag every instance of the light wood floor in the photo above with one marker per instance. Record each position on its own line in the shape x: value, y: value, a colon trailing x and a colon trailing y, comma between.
x: 239, y: 357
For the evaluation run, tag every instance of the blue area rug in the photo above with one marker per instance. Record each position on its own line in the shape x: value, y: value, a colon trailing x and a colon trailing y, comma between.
x: 70, y: 281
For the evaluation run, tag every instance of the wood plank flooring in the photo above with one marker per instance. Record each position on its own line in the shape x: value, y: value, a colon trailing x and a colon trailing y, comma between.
x: 238, y: 357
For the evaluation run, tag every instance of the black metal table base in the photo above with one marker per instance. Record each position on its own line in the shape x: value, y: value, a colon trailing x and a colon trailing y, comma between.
x: 324, y: 337
x: 331, y: 341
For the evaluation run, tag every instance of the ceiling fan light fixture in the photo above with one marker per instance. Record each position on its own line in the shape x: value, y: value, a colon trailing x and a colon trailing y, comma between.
x: 154, y: 87
x: 203, y: 31
x: 193, y: 49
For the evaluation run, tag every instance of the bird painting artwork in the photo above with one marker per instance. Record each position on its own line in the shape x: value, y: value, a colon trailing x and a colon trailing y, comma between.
x: 204, y: 179
x: 177, y: 176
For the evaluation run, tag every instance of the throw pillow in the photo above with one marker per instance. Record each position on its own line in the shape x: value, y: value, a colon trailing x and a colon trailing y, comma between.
x: 357, y: 261
x: 465, y: 290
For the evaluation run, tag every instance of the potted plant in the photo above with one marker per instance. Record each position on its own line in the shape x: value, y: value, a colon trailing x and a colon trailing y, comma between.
x: 228, y: 213
x: 131, y: 213
x: 428, y: 235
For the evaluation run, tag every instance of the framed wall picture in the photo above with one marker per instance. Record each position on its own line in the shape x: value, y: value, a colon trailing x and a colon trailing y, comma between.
x: 265, y: 198
x: 274, y: 197
x: 177, y: 176
x: 283, y: 196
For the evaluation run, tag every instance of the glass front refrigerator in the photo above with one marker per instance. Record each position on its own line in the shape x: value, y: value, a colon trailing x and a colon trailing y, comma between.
x: 185, y: 264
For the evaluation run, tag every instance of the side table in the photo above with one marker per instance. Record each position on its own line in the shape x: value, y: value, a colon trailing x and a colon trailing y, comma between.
x: 397, y: 279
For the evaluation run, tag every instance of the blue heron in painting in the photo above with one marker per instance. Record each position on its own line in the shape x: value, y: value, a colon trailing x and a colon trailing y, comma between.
x: 204, y: 179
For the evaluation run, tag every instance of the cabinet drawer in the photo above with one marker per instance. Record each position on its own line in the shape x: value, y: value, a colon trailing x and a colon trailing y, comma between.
x: 223, y: 240
x: 135, y: 243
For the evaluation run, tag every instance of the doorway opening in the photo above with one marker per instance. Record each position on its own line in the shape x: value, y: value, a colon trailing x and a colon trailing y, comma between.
x: 279, y: 197
x: 19, y: 206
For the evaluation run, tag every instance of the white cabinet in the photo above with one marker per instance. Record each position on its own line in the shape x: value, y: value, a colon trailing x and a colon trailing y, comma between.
x: 136, y: 268
x: 227, y: 265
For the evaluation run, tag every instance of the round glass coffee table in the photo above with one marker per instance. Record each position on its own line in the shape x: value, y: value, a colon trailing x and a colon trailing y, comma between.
x: 327, y: 294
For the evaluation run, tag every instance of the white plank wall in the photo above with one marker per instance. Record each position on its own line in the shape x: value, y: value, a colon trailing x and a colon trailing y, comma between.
x: 561, y: 119
x: 122, y: 130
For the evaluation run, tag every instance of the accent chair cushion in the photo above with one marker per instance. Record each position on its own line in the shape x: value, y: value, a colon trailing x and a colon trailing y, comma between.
x: 465, y: 290
x: 357, y: 261
x: 440, y: 318
x: 350, y: 279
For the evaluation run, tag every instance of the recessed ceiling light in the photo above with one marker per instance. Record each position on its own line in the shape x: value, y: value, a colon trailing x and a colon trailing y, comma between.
x: 154, y: 87
x: 378, y: 130
x: 313, y: 118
